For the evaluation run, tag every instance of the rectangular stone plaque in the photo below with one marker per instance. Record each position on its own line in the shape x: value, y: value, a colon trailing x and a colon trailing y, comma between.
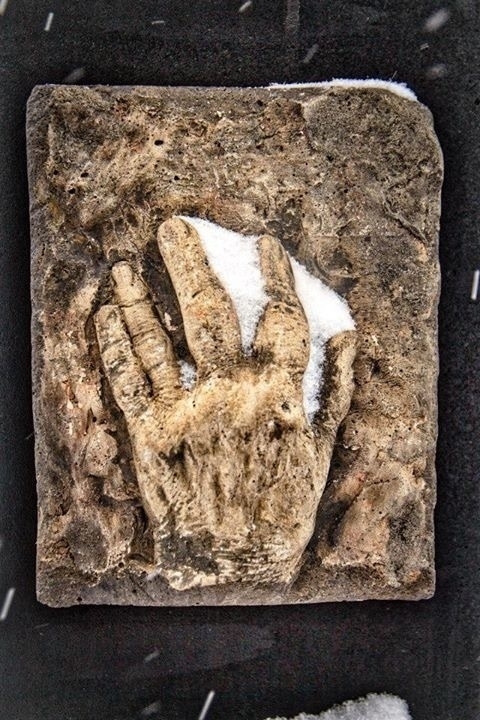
x: 234, y: 334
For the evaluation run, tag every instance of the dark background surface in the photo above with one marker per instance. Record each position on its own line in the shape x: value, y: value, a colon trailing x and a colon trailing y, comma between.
x: 89, y: 662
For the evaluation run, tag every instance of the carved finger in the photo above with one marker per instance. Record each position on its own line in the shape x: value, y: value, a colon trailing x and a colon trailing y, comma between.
x: 283, y: 334
x: 151, y: 343
x: 124, y: 374
x: 211, y: 324
x: 337, y: 386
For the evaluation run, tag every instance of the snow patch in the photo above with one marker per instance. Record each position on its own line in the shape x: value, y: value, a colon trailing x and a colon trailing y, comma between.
x: 372, y: 707
x: 235, y: 260
x: 188, y: 374
x: 400, y: 89
x: 327, y: 315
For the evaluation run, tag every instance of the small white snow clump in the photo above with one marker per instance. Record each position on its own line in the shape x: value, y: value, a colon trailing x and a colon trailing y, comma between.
x: 372, y: 707
x: 188, y: 374
x: 235, y: 260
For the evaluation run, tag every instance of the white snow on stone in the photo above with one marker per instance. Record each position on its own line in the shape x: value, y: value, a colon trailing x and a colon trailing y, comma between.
x: 327, y: 315
x: 372, y: 707
x: 188, y: 374
x: 235, y: 260
x: 401, y: 89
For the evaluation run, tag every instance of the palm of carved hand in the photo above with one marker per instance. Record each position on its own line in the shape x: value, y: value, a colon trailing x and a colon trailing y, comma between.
x: 231, y: 472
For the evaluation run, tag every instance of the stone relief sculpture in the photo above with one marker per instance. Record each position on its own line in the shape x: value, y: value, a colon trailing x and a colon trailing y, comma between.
x: 234, y: 343
x: 230, y: 471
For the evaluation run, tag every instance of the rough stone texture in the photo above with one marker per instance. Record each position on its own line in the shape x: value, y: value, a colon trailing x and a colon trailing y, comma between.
x: 229, y: 471
x: 349, y: 181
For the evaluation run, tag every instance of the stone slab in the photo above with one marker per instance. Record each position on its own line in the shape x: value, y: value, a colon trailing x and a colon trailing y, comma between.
x: 348, y: 179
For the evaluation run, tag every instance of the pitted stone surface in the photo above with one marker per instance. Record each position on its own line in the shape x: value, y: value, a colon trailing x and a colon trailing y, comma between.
x: 348, y: 180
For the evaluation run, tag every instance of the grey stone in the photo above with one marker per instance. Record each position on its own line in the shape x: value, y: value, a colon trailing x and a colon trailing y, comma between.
x: 348, y: 180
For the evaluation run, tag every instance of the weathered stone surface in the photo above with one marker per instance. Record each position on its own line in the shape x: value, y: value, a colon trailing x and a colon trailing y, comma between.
x: 348, y: 179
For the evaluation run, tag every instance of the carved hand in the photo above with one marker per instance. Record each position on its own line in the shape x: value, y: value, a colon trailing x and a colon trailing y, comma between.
x: 231, y: 472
